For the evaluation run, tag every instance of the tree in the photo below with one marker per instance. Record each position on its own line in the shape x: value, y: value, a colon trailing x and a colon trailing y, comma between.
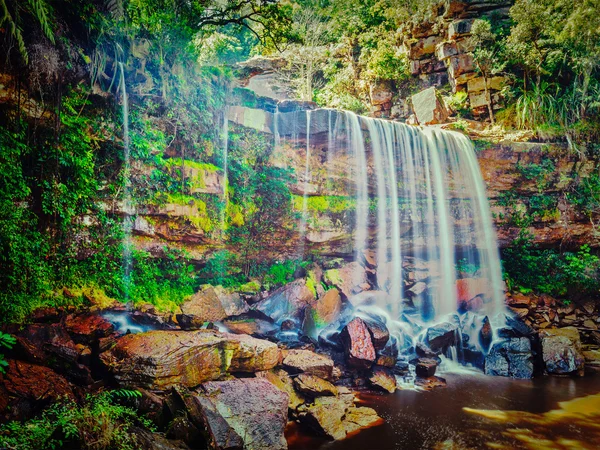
x: 487, y: 57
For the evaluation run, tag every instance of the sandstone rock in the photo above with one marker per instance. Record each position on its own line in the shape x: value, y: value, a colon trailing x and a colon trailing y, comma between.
x: 282, y: 381
x: 423, y: 47
x: 441, y: 336
x: 589, y: 324
x: 459, y: 65
x: 203, y: 306
x: 388, y: 356
x: 314, y: 386
x: 232, y: 303
x: 25, y: 389
x: 428, y: 107
x: 510, y: 358
x: 285, y: 106
x: 305, y: 361
x: 518, y: 300
x: 459, y: 28
x: 347, y: 278
x: 250, y: 325
x: 358, y: 346
x: 88, y: 328
x: 425, y: 367
x: 592, y: 360
x: 445, y: 50
x: 561, y: 351
x: 378, y: 331
x: 247, y: 413
x: 478, y: 84
x: 383, y: 378
x: 329, y: 306
x: 161, y: 359
x: 380, y: 92
x: 589, y: 306
x: 288, y: 301
x: 336, y: 417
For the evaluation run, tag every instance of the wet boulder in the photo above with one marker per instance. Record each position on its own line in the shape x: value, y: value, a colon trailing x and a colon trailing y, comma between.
x: 561, y: 351
x: 510, y: 358
x: 88, y: 328
x: 328, y: 308
x: 306, y: 361
x: 289, y: 301
x: 383, y: 379
x: 441, y: 336
x: 313, y: 386
x: 358, y: 347
x: 486, y: 334
x: 388, y: 356
x: 248, y: 413
x: 425, y: 367
x: 378, y: 331
x: 161, y: 359
x: 337, y: 417
x: 203, y: 306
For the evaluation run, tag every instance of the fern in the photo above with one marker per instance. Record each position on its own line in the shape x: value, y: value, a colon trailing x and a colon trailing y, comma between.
x: 15, y: 31
x: 116, y: 9
x: 6, y: 341
x: 39, y: 9
x: 127, y: 394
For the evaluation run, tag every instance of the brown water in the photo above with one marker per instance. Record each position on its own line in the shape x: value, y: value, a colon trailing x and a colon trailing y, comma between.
x: 477, y: 411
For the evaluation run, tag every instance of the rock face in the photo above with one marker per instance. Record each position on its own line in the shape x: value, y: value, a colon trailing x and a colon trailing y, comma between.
x: 358, y: 347
x: 429, y: 108
x: 510, y: 358
x: 305, y: 361
x: 561, y: 350
x: 248, y: 413
x: 161, y: 359
x: 336, y: 417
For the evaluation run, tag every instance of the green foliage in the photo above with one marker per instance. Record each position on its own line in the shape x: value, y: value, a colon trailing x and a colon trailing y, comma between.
x: 572, y: 274
x: 585, y: 194
x: 539, y: 173
x: 6, y: 341
x: 281, y: 273
x: 99, y: 423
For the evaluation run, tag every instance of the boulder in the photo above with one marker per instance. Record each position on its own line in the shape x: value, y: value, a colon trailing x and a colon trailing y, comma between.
x: 378, y: 331
x: 305, y: 361
x: 247, y: 413
x: 459, y: 28
x: 25, y: 389
x: 510, y: 357
x: 314, y: 386
x: 388, y: 356
x: 425, y: 367
x: 358, y: 346
x: 383, y: 378
x: 441, y: 336
x: 161, y: 359
x: 289, y: 301
x: 282, y: 381
x: 592, y: 360
x: 430, y: 383
x: 336, y: 417
x: 232, y: 303
x: 328, y: 308
x: 561, y: 351
x: 423, y: 47
x: 203, y: 306
x: 429, y: 107
x: 349, y: 278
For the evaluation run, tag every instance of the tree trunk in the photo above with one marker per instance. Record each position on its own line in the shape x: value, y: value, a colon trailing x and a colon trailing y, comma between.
x: 488, y: 98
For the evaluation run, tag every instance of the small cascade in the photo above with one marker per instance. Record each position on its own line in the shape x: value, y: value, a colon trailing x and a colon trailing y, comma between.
x: 128, y: 209
x: 418, y: 198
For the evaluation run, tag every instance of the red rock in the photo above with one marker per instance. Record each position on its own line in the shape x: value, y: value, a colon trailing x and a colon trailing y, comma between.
x: 27, y: 388
x: 309, y: 362
x: 358, y: 346
x: 88, y: 328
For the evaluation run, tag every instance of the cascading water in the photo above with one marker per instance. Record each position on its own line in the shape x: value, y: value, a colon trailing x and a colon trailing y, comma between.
x: 419, y: 198
x: 127, y: 203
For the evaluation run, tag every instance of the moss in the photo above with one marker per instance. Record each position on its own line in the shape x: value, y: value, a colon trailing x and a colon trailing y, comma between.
x: 198, y: 169
x: 235, y: 214
x: 311, y: 285
x: 252, y: 287
x: 200, y: 219
x: 333, y: 277
x: 325, y: 203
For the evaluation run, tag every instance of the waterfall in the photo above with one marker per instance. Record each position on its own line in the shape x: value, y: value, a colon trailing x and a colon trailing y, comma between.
x: 419, y: 198
x: 225, y: 137
x: 128, y: 209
